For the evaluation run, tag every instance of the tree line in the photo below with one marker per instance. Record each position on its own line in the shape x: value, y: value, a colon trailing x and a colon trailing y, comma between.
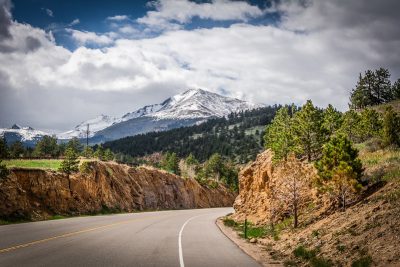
x: 229, y: 137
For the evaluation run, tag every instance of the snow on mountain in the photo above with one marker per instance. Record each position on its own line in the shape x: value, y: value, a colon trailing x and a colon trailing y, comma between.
x: 97, y: 124
x: 198, y: 103
x: 193, y: 104
x: 22, y: 133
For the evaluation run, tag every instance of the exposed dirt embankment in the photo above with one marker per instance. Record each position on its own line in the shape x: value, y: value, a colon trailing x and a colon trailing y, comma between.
x: 37, y: 194
x: 366, y: 234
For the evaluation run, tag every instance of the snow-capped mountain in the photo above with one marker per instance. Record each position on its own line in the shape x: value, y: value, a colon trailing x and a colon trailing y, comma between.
x: 198, y: 103
x: 27, y: 135
x: 97, y: 124
x: 185, y: 109
x: 190, y: 106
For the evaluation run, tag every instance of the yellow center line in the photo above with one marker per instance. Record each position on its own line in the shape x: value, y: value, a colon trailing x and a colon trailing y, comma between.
x: 68, y: 235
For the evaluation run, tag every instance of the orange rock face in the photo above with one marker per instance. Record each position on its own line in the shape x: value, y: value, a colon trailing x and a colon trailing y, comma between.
x: 37, y: 194
x: 262, y: 188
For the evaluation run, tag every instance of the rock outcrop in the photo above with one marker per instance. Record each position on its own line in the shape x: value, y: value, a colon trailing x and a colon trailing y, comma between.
x: 259, y: 185
x: 38, y: 194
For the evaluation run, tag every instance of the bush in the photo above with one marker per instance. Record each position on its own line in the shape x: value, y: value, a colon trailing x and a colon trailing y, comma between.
x: 365, y: 261
x: 84, y: 167
x: 320, y: 262
x: 302, y: 252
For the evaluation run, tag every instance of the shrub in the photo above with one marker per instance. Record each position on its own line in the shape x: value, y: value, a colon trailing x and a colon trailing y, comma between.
x: 365, y: 261
x: 320, y: 262
x: 302, y: 252
x: 84, y: 167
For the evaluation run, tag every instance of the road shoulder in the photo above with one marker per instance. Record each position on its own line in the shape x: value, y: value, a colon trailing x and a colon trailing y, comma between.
x: 254, y: 250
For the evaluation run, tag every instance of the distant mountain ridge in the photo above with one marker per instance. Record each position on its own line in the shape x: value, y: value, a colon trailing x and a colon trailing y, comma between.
x: 185, y: 109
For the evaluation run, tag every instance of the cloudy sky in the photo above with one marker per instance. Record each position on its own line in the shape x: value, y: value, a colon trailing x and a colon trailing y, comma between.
x: 62, y: 62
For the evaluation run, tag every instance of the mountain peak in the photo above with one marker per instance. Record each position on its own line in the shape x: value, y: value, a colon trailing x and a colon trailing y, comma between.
x: 15, y: 127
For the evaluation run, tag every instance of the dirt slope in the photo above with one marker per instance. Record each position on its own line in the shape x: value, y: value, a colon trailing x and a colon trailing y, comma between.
x: 369, y: 229
x: 38, y: 194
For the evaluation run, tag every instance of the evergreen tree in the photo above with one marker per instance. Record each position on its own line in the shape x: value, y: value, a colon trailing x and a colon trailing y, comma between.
x: 108, y: 155
x: 17, y: 150
x: 214, y: 166
x: 88, y: 152
x: 391, y: 126
x: 3, y: 149
x: 308, y: 133
x: 4, y: 172
x: 339, y: 149
x: 279, y: 134
x: 351, y: 125
x: 47, y: 147
x: 191, y: 160
x: 171, y: 163
x: 70, y: 163
x: 396, y: 90
x: 381, y: 91
x: 370, y: 124
x: 332, y: 120
x: 359, y: 95
x: 99, y: 153
x: 75, y: 145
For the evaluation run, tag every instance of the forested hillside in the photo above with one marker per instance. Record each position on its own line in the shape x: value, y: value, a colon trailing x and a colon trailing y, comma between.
x: 238, y: 137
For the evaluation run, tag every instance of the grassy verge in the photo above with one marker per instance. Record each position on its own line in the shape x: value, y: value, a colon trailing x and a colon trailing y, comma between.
x: 254, y: 231
x: 46, y: 164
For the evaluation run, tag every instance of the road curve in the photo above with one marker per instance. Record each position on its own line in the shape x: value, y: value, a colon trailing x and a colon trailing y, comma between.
x: 164, y: 238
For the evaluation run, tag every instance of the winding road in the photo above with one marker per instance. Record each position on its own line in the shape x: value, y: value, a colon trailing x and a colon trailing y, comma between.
x: 163, y: 238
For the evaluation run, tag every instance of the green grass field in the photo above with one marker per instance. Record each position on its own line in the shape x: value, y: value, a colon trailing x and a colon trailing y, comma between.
x: 49, y: 164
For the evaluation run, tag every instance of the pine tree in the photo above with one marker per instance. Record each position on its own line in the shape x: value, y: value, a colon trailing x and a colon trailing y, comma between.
x: 4, y: 172
x: 279, y: 134
x: 99, y: 153
x: 17, y: 149
x: 171, y: 163
x: 308, y: 133
x: 332, y: 120
x: 396, y: 90
x: 3, y: 149
x: 70, y: 163
x: 88, y: 152
x: 351, y: 125
x: 370, y: 124
x: 108, y: 155
x: 381, y: 91
x: 75, y: 145
x: 47, y: 147
x: 191, y: 160
x: 391, y: 126
x: 214, y: 166
x: 339, y: 149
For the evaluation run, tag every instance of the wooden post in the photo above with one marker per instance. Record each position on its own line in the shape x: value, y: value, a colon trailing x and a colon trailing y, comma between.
x: 245, y: 228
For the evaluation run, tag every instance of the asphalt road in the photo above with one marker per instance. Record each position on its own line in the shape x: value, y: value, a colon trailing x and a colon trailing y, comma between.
x: 164, y: 238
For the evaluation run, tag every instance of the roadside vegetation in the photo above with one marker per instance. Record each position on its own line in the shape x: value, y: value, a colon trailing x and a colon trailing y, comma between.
x: 356, y: 158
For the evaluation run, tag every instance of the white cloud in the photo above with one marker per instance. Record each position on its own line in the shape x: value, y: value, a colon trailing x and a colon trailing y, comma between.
x: 49, y: 12
x: 85, y: 37
x: 118, y: 18
x: 268, y: 64
x: 74, y: 22
x: 169, y: 14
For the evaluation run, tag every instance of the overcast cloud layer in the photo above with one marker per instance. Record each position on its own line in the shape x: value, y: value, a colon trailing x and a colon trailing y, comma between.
x: 315, y: 52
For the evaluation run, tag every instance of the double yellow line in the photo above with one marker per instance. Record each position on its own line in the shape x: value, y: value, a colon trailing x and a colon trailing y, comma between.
x: 68, y: 235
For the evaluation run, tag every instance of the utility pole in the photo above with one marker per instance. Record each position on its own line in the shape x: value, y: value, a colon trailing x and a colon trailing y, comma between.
x: 87, y: 135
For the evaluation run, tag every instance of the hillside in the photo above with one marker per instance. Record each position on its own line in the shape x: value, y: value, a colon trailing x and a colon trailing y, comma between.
x: 34, y: 194
x: 239, y: 137
x: 368, y: 231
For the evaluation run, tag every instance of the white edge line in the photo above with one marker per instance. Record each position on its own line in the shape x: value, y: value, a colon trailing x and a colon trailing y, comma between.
x: 182, y: 264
